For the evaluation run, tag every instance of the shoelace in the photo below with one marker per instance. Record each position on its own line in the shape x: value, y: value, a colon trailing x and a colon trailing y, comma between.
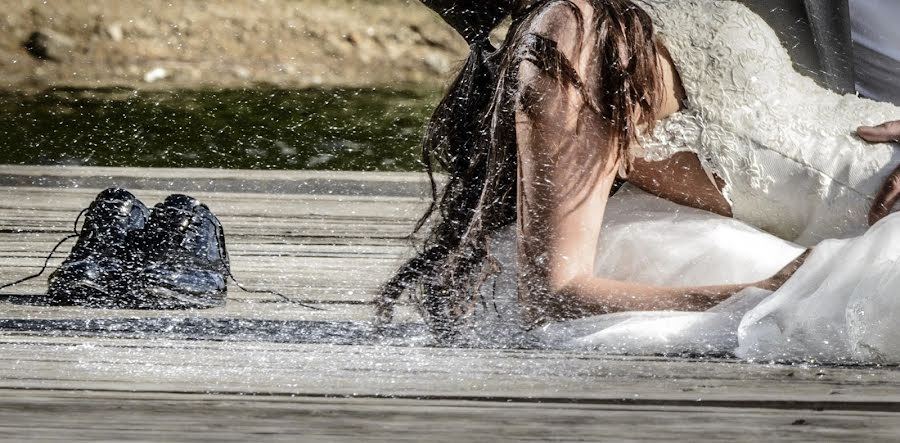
x: 75, y: 234
x: 269, y: 291
x: 224, y: 253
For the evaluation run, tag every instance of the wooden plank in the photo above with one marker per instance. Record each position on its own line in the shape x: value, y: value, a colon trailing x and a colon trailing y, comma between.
x: 235, y: 309
x: 390, y: 184
x: 311, y: 279
x: 62, y: 363
x: 92, y: 416
x: 54, y: 207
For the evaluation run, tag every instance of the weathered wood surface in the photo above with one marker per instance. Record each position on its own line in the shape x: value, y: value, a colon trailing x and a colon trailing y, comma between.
x: 104, y: 416
x: 151, y: 417
x: 263, y: 369
x: 41, y: 362
x: 86, y: 389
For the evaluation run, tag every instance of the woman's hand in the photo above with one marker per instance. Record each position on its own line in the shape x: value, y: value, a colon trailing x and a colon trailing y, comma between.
x: 884, y: 133
x: 890, y: 192
x: 775, y: 282
x: 886, y: 198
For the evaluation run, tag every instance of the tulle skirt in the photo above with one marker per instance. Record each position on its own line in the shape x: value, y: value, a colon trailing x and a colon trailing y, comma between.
x: 841, y: 306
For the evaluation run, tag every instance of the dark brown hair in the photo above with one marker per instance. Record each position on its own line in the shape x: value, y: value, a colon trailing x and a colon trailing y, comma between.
x: 472, y: 138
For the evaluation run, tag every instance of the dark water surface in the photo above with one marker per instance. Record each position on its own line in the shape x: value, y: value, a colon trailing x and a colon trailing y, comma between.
x: 328, y: 129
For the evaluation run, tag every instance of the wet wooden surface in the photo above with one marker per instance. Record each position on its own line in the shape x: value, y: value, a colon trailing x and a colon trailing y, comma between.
x: 261, y: 369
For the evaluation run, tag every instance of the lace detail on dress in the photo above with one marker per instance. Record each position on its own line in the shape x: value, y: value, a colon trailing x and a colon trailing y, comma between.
x: 783, y: 145
x: 720, y: 151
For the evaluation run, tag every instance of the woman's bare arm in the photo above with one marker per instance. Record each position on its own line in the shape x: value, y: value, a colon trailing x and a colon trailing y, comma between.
x: 889, y: 193
x: 567, y: 164
x: 565, y: 179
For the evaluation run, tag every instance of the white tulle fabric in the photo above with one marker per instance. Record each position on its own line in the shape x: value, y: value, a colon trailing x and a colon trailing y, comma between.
x: 793, y: 169
x: 840, y: 306
x: 784, y: 146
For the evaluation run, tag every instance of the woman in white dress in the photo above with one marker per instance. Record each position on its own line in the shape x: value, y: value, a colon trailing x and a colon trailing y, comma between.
x: 694, y: 101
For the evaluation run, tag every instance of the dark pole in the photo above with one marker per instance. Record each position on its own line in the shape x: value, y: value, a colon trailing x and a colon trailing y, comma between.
x: 473, y: 19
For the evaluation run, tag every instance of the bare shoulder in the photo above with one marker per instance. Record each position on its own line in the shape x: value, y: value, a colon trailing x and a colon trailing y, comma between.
x: 552, y: 60
x: 559, y: 21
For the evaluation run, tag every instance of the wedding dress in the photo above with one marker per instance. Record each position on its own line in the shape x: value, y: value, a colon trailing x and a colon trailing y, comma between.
x: 842, y: 305
x: 795, y: 176
x: 784, y: 146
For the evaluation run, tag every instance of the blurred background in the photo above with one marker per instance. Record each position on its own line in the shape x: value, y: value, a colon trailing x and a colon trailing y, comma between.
x: 257, y: 84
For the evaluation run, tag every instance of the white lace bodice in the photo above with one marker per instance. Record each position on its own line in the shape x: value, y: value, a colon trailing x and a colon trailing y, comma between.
x: 784, y: 146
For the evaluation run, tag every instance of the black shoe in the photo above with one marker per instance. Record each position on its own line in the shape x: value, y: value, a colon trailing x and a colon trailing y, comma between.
x: 183, y: 262
x: 99, y: 259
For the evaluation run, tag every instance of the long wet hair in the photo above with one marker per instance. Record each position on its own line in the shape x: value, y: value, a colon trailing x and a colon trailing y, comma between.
x: 471, y: 137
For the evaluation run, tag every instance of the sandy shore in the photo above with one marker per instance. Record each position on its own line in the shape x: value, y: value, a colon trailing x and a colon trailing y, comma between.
x: 165, y: 44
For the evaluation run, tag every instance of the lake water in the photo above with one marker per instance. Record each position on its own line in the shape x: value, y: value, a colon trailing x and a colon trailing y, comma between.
x: 327, y: 129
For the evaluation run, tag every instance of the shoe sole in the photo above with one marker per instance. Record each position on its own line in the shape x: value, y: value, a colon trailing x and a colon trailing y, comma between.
x: 80, y: 293
x: 165, y: 298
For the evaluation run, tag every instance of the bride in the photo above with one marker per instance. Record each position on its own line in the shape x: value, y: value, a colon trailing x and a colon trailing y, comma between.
x: 696, y: 105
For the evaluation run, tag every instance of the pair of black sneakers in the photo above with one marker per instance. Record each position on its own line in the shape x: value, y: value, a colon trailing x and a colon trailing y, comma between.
x: 127, y: 256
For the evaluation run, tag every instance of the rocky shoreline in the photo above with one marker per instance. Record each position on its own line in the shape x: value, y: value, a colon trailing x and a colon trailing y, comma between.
x: 196, y: 44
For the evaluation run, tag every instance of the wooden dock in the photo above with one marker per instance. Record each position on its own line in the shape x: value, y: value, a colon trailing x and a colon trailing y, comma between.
x: 260, y: 369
